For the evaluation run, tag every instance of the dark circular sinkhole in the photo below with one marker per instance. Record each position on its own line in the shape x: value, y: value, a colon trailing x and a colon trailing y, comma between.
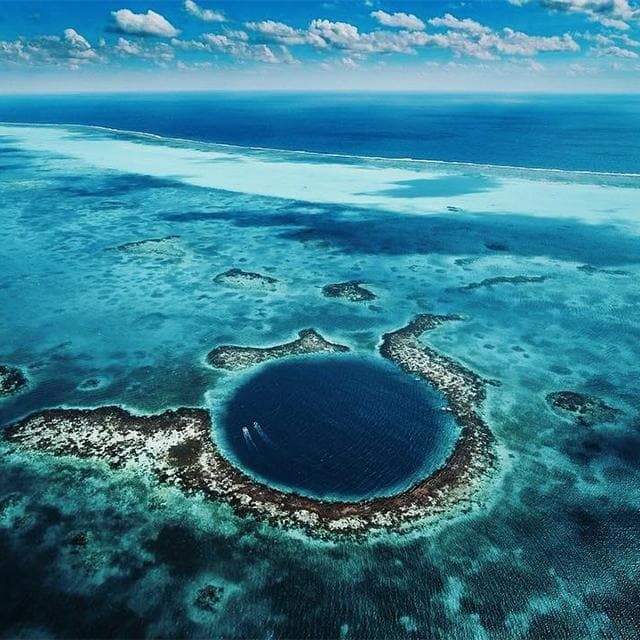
x: 336, y: 427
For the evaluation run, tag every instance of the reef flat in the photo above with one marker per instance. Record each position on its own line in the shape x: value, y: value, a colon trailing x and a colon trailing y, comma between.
x: 169, y: 246
x: 237, y: 357
x: 11, y: 380
x: 490, y: 282
x: 353, y: 291
x: 177, y: 448
x: 246, y: 280
x: 586, y: 410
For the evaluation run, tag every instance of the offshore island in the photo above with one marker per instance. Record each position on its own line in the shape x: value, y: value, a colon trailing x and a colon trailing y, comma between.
x: 177, y: 448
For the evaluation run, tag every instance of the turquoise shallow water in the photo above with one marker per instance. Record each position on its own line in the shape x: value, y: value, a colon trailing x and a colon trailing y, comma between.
x: 553, y: 551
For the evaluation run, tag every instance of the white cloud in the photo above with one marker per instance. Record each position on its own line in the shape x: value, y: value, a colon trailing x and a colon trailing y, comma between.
x: 535, y: 66
x: 579, y: 69
x: 72, y: 50
x: 517, y: 43
x: 282, y: 33
x: 160, y: 53
x: 630, y: 42
x: 130, y: 48
x: 616, y: 51
x: 193, y: 66
x: 143, y: 24
x: 463, y: 37
x: 234, y: 44
x: 468, y: 37
x: 400, y: 20
x: 207, y: 15
x: 614, y: 14
x: 342, y: 35
x: 238, y: 35
x: 75, y: 40
x: 451, y: 22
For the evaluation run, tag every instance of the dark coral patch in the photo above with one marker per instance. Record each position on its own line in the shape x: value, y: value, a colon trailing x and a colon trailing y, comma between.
x: 587, y: 410
x: 351, y: 290
x: 208, y: 597
x: 11, y: 380
x: 246, y: 279
x: 490, y: 282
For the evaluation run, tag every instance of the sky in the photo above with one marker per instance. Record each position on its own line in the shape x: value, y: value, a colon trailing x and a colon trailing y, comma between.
x: 377, y: 45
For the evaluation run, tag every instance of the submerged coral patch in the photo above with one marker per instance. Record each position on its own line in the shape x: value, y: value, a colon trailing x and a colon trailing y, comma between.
x: 11, y: 380
x: 586, y: 410
x: 177, y: 448
x: 246, y: 280
x: 490, y: 282
x: 208, y: 598
x: 351, y: 290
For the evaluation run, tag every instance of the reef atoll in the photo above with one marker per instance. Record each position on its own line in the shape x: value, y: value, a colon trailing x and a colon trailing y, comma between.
x: 586, y: 410
x: 353, y: 291
x: 235, y: 357
x: 246, y: 280
x: 11, y: 380
x: 177, y: 448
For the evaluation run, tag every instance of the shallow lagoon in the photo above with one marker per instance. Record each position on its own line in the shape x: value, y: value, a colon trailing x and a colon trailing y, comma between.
x: 549, y: 551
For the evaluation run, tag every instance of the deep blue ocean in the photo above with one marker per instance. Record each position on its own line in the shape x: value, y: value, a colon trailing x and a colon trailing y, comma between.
x: 589, y: 133
x: 342, y: 446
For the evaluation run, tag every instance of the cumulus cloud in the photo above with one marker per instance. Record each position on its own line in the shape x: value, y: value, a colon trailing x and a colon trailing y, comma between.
x: 282, y: 33
x: 451, y: 22
x: 615, y: 51
x: 517, y: 43
x: 127, y: 47
x: 400, y: 20
x: 207, y: 15
x: 610, y: 39
x: 235, y: 44
x: 463, y: 37
x: 143, y: 24
x: 72, y: 50
x: 159, y: 53
x: 342, y: 35
x: 610, y: 13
